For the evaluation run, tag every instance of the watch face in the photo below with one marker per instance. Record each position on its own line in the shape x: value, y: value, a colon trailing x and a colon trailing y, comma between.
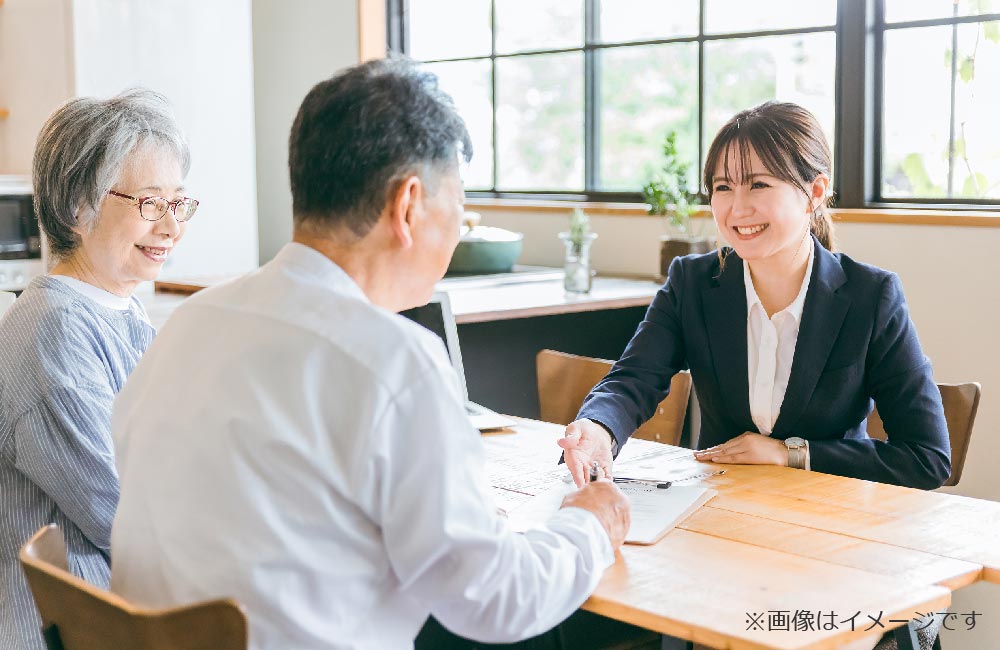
x: 795, y: 443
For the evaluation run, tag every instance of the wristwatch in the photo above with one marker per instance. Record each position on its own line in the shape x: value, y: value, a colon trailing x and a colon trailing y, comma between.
x: 796, y: 452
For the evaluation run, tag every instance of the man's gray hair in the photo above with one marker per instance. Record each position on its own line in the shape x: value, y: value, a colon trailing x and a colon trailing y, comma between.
x: 82, y: 151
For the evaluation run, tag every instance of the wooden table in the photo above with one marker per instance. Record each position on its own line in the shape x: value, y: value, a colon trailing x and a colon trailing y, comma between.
x: 776, y: 539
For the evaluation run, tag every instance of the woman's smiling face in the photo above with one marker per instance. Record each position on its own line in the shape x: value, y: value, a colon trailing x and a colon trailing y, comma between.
x: 123, y: 249
x: 759, y: 215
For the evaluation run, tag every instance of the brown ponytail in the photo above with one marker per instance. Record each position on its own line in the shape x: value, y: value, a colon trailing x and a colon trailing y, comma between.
x: 821, y: 225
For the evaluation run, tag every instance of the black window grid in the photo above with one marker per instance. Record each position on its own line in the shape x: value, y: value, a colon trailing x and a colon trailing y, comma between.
x: 860, y: 42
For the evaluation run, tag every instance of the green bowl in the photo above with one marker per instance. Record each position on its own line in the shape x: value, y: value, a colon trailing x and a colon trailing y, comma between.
x: 485, y: 256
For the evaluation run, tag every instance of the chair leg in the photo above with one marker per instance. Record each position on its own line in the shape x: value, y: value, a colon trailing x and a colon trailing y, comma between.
x: 52, y: 639
x: 906, y: 637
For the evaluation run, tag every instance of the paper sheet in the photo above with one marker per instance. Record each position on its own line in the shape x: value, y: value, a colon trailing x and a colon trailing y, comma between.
x: 654, y: 511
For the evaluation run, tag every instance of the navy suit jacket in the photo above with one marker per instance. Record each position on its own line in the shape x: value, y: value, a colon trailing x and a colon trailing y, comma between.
x: 856, y: 343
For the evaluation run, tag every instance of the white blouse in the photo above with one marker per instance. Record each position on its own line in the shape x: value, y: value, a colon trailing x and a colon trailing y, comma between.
x: 104, y: 298
x: 770, y: 350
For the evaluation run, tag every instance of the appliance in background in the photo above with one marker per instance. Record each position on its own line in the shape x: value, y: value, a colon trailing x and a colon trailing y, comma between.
x: 20, y: 241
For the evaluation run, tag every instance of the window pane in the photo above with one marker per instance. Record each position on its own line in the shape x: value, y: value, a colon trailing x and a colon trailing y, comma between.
x: 640, y: 20
x: 917, y: 154
x: 977, y: 98
x: 645, y: 92
x: 540, y: 122
x: 741, y: 16
x: 538, y: 24
x: 468, y: 83
x: 903, y: 10
x: 433, y: 34
x: 742, y: 73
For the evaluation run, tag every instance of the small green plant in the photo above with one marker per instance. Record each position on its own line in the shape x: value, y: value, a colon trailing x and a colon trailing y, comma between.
x: 668, y: 192
x: 579, y: 227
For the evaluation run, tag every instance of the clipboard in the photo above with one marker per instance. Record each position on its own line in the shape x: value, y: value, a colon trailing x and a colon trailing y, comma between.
x: 655, y: 511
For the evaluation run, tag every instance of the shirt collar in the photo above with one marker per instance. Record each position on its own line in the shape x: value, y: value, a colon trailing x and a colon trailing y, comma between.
x: 309, y: 263
x: 795, y: 308
x: 98, y: 295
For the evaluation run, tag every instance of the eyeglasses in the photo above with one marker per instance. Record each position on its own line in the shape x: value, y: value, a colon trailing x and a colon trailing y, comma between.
x: 153, y: 208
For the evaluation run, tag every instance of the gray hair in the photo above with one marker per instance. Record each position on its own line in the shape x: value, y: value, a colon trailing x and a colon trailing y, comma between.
x: 360, y: 133
x: 82, y: 150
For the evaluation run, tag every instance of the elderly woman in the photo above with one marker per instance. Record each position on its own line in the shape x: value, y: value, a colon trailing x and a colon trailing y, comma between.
x: 109, y: 194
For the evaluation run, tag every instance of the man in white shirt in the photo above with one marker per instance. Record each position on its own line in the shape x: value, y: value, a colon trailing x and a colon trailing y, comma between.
x: 290, y: 441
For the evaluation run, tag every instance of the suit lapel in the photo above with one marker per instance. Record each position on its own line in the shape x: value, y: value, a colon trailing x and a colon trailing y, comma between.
x: 822, y: 317
x: 725, y: 313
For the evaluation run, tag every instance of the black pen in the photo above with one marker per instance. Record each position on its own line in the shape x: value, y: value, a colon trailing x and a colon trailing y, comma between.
x: 663, y: 485
x: 593, y: 471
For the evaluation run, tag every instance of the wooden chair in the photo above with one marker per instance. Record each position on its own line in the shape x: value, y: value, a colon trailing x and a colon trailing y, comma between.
x: 961, y: 401
x: 78, y: 616
x: 565, y: 379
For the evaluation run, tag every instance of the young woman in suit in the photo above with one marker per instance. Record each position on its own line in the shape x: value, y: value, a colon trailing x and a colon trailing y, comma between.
x: 788, y: 343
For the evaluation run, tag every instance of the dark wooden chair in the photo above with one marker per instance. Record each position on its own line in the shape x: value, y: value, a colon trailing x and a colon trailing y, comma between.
x: 961, y: 401
x: 78, y: 616
x: 565, y: 379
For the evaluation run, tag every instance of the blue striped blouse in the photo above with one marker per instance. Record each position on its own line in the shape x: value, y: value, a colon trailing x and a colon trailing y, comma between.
x: 63, y: 358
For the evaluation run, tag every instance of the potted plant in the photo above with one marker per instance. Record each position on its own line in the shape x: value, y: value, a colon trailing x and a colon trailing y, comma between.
x: 668, y: 193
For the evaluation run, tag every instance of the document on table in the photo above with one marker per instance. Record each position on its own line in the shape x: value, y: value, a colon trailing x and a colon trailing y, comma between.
x: 651, y: 461
x: 655, y: 511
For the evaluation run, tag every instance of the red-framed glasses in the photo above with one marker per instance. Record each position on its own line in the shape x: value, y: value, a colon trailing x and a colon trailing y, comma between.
x: 153, y: 208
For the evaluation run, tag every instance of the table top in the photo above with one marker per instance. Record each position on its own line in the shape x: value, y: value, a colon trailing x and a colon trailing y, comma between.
x: 775, y: 539
x: 543, y: 297
x: 476, y: 299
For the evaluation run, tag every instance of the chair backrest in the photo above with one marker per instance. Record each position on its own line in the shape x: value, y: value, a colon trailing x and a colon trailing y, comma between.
x: 78, y: 616
x: 565, y: 379
x: 6, y: 300
x: 961, y: 401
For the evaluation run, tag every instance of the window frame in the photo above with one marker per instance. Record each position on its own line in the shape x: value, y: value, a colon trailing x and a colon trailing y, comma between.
x: 879, y: 29
x: 859, y: 32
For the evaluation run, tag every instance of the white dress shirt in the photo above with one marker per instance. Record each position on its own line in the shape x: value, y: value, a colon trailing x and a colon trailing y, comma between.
x: 287, y: 443
x: 770, y: 350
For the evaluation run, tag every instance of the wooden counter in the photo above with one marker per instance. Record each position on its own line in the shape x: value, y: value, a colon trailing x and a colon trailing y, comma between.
x: 503, y: 322
x: 473, y: 299
x: 544, y: 298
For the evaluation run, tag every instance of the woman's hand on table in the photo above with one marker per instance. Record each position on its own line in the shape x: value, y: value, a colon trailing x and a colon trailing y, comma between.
x: 747, y: 449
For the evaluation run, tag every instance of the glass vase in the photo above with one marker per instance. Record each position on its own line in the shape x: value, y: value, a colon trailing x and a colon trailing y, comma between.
x: 577, y: 277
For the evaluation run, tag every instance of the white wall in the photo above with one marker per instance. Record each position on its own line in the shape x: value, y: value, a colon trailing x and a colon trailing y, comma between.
x: 296, y: 44
x: 948, y: 274
x: 197, y: 53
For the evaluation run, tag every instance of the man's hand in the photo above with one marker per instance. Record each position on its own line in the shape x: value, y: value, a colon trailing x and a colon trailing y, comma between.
x: 586, y: 441
x: 609, y: 505
x: 747, y: 449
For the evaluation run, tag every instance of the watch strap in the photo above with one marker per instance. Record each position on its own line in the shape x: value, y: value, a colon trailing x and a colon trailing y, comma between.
x: 797, y: 457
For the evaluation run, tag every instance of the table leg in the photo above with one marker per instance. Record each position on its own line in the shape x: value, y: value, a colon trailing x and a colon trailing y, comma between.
x: 668, y: 642
x: 906, y: 637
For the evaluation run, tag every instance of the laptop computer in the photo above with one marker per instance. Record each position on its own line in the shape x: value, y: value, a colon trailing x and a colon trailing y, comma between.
x: 438, y: 318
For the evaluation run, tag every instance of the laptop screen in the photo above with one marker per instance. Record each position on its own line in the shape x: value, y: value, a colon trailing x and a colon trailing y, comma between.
x: 430, y: 316
x: 437, y: 317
